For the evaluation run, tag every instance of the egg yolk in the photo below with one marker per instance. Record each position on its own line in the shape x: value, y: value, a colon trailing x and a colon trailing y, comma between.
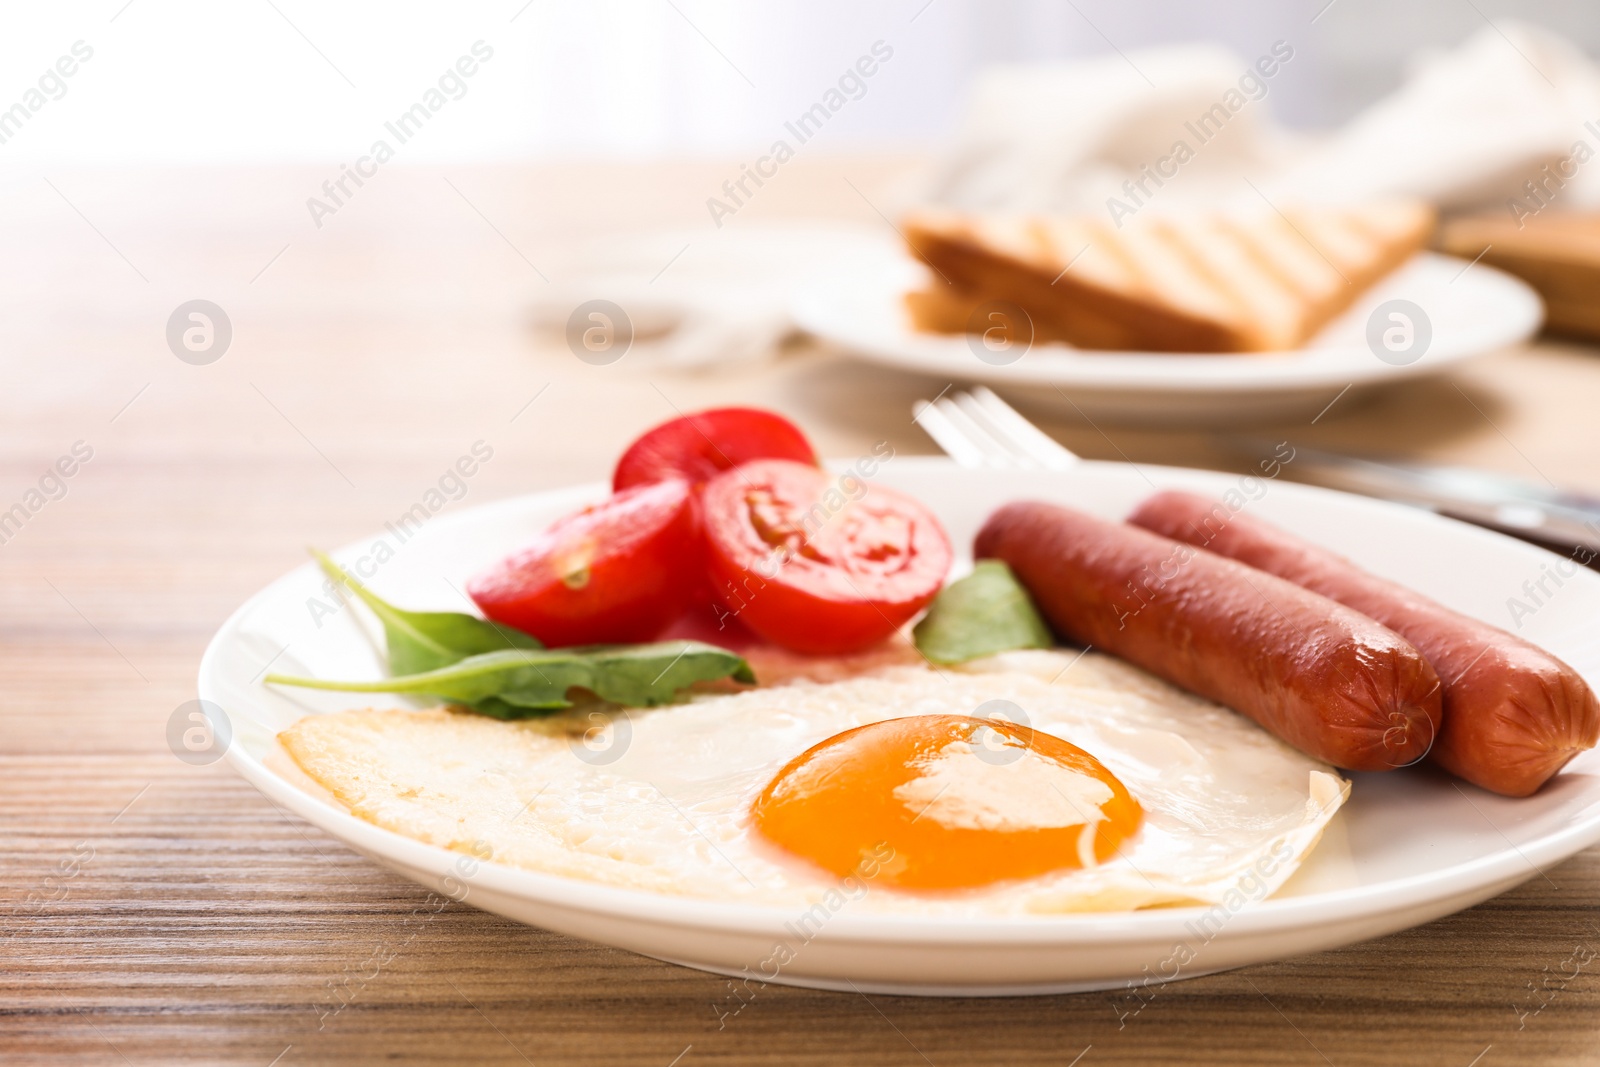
x: 946, y: 802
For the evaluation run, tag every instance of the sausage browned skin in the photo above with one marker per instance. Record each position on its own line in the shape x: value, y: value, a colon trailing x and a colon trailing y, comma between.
x: 1326, y: 679
x: 1513, y: 714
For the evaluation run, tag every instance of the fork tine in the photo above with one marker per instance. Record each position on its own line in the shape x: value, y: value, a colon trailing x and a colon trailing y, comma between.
x: 947, y: 436
x: 978, y: 429
x: 994, y: 450
x: 973, y: 410
x: 1020, y: 433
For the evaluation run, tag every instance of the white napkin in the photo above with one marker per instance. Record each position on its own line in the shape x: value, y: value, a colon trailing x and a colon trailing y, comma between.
x: 1469, y: 128
x: 1466, y: 130
x: 1066, y: 136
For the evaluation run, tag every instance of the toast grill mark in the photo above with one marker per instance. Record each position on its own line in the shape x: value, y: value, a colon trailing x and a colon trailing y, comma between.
x: 1256, y: 282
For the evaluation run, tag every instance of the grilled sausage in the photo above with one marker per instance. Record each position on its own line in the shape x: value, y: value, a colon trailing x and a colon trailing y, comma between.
x: 1513, y: 714
x: 1326, y: 679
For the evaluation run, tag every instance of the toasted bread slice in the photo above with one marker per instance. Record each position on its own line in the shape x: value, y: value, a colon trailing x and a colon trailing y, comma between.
x: 1557, y: 254
x: 1201, y: 283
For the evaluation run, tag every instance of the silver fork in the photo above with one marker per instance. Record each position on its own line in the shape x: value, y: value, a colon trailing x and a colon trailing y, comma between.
x: 978, y: 429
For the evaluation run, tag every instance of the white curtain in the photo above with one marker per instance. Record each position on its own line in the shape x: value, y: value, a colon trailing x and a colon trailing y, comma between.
x: 268, y: 80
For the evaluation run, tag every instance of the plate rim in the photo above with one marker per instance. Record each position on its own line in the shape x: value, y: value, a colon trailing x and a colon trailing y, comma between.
x: 1162, y: 373
x: 1506, y: 866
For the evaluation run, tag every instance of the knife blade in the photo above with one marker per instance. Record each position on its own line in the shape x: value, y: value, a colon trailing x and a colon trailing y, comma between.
x: 1560, y: 520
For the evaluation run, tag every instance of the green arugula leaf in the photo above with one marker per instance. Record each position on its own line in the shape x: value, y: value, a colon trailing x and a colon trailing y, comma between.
x: 420, y: 641
x: 986, y: 612
x: 516, y: 683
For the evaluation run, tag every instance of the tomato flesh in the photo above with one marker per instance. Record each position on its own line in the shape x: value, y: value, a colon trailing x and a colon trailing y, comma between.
x: 617, y: 572
x: 819, y: 564
x: 698, y: 447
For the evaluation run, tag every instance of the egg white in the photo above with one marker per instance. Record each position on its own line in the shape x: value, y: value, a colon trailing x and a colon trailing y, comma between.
x: 659, y: 799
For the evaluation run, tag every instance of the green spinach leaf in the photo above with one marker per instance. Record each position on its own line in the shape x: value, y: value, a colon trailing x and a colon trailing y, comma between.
x: 420, y: 641
x: 986, y: 612
x: 516, y: 683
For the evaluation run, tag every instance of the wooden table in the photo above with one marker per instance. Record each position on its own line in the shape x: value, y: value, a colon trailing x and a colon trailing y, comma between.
x: 157, y: 912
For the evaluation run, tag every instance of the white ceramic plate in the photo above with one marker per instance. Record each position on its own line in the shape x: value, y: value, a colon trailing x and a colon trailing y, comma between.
x: 1473, y: 312
x: 1409, y: 847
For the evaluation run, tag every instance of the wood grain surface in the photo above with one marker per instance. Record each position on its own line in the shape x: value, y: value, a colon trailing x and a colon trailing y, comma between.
x: 153, y: 912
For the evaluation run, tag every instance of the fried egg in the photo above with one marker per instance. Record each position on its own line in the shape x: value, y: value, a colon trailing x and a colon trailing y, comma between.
x: 1040, y: 781
x: 951, y: 807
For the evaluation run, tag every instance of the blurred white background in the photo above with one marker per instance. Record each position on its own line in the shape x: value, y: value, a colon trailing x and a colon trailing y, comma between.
x: 184, y: 81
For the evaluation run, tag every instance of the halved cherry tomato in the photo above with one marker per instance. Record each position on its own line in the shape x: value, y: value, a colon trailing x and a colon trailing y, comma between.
x: 619, y: 571
x: 698, y: 447
x: 818, y: 563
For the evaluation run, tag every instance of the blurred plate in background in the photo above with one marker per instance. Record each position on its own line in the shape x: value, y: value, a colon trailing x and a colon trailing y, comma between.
x: 1471, y: 311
